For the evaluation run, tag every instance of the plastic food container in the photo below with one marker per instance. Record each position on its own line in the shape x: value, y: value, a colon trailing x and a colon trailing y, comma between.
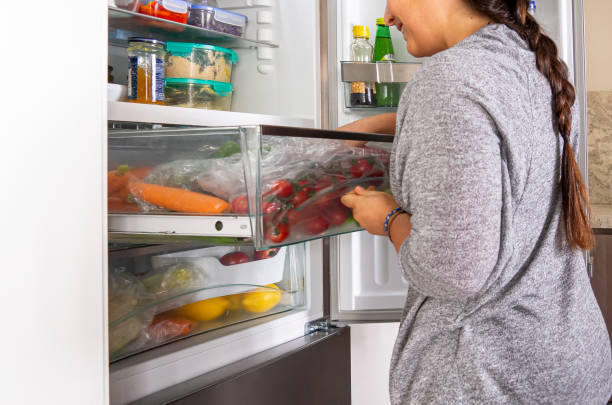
x: 195, y: 93
x: 200, y: 61
x: 129, y: 5
x: 146, y: 70
x: 217, y: 19
x: 173, y: 10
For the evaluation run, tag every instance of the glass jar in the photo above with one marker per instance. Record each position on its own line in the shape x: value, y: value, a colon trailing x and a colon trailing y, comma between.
x: 146, y: 70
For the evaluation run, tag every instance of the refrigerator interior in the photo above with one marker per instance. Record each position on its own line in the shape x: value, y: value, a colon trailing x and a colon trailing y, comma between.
x: 273, y: 80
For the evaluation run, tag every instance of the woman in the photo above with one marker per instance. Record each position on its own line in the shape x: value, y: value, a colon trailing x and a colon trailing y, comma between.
x: 493, y: 215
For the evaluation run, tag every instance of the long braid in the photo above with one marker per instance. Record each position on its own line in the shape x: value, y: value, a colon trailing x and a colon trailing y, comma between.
x: 514, y: 14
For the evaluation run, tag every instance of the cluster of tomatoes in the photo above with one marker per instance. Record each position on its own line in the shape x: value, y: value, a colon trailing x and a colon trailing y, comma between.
x: 309, y: 204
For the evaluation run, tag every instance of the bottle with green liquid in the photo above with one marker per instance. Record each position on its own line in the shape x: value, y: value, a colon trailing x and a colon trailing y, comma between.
x: 387, y: 94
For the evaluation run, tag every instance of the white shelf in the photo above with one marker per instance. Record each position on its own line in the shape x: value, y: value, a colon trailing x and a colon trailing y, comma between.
x: 159, y: 114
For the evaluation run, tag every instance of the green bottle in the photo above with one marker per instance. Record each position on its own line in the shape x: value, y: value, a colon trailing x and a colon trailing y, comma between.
x: 387, y: 94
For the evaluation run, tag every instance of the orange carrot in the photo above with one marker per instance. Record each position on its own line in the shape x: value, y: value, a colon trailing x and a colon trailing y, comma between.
x: 140, y: 172
x: 176, y: 199
x: 117, y: 179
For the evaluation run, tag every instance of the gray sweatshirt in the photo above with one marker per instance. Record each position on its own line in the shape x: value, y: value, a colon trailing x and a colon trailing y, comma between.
x: 499, y: 309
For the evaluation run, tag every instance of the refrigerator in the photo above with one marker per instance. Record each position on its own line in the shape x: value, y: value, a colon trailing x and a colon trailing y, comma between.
x: 66, y: 251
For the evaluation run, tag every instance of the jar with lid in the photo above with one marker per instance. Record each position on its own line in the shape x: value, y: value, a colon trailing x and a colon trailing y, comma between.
x: 146, y: 70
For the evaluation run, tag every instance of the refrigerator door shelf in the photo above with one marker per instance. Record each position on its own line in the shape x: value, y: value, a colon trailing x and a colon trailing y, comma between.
x: 378, y: 72
x: 124, y: 24
x: 268, y: 186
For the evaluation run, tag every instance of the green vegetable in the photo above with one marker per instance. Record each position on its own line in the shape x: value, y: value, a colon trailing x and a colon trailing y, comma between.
x: 228, y: 149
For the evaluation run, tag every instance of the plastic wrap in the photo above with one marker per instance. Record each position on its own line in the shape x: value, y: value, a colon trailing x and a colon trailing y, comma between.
x: 125, y: 296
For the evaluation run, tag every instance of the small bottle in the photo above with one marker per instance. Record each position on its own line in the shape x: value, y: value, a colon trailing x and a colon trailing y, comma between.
x: 532, y: 8
x: 362, y: 93
x: 387, y: 94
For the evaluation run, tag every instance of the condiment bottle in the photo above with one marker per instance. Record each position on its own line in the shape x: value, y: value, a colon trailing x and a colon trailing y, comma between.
x: 387, y: 94
x: 146, y: 70
x: 363, y: 94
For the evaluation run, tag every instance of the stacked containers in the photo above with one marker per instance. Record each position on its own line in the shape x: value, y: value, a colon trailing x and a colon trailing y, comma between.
x: 199, y: 75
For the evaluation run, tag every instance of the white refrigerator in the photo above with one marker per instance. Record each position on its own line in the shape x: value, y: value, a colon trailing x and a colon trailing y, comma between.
x: 56, y: 155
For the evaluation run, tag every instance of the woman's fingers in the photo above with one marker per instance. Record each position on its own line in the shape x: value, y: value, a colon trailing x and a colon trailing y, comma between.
x: 355, y: 144
x: 349, y: 199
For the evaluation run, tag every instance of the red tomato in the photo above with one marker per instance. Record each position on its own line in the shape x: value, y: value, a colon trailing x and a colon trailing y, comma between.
x: 271, y: 207
x: 301, y: 196
x: 278, y: 233
x: 240, y: 205
x: 336, y: 213
x: 265, y: 254
x: 317, y: 225
x: 322, y: 183
x: 361, y: 168
x: 233, y: 258
x: 281, y: 188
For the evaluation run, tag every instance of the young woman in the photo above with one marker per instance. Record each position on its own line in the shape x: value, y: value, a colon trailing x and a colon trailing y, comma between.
x: 488, y: 214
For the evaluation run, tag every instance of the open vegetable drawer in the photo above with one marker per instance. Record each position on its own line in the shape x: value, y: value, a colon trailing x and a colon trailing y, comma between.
x: 261, y: 185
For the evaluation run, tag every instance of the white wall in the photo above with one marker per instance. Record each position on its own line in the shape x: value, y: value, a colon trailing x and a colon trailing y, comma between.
x: 598, y: 31
x: 371, y: 347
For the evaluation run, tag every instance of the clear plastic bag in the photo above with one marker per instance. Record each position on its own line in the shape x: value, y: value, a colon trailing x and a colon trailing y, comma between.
x: 126, y: 296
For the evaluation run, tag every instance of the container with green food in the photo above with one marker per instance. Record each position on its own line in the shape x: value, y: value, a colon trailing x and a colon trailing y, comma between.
x: 196, y: 93
x: 199, y: 61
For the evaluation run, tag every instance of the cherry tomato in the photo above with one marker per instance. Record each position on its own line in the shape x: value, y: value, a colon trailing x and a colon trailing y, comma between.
x: 281, y: 188
x: 233, y: 258
x: 322, y: 183
x: 361, y: 168
x: 271, y: 207
x: 265, y: 254
x: 317, y: 225
x: 278, y: 233
x: 240, y: 205
x: 335, y: 213
x: 301, y: 196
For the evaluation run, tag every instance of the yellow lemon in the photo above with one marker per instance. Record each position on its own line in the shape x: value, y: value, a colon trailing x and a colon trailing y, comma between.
x: 206, y: 310
x: 261, y: 299
x: 234, y: 302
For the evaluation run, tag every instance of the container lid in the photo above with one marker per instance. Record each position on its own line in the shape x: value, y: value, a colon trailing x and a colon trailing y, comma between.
x: 361, y: 31
x: 146, y: 40
x: 221, y: 88
x: 381, y: 21
x: 218, y: 10
x: 187, y: 47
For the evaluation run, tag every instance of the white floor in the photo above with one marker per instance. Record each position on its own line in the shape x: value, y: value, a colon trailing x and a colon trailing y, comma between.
x: 371, y: 346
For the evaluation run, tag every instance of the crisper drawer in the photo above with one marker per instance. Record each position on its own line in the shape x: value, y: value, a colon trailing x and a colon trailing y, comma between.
x: 161, y: 293
x: 265, y: 186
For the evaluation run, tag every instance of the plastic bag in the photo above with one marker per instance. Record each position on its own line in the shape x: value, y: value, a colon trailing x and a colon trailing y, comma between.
x: 125, y: 296
x: 303, y: 180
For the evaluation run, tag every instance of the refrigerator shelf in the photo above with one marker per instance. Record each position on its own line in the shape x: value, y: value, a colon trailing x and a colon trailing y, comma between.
x: 121, y: 111
x: 124, y: 24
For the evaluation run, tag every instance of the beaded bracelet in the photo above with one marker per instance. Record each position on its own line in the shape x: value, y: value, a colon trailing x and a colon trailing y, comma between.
x: 389, y: 215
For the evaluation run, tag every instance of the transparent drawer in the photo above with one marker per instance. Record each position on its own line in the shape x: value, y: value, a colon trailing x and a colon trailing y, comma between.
x: 158, y: 294
x: 261, y: 185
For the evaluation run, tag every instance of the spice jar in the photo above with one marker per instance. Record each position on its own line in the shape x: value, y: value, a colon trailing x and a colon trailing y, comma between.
x: 146, y: 70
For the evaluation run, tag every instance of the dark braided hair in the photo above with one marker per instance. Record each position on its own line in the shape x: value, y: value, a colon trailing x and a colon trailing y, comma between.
x: 513, y: 13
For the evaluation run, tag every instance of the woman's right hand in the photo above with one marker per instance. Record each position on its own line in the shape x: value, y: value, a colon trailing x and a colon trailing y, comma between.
x: 376, y: 124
